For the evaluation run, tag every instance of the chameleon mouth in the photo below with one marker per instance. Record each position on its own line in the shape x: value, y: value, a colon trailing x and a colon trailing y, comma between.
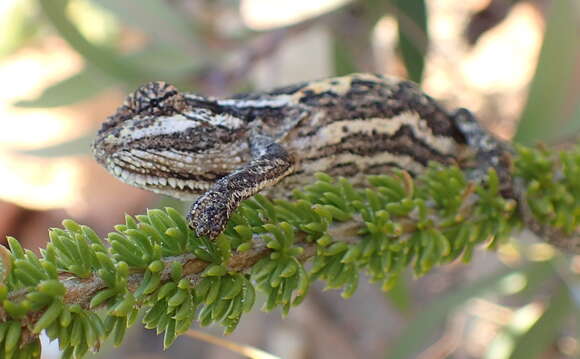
x: 175, y: 187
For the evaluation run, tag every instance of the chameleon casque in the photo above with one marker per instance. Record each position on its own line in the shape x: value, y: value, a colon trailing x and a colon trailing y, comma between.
x: 226, y: 150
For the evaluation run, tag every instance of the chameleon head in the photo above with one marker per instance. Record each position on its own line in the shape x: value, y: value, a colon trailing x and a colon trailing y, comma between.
x: 170, y: 142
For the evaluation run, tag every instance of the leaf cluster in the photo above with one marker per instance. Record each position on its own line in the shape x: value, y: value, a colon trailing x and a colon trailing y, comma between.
x: 83, y: 289
x: 552, y: 185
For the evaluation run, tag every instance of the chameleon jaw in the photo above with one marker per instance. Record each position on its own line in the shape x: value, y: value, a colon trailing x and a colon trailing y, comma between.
x: 175, y: 187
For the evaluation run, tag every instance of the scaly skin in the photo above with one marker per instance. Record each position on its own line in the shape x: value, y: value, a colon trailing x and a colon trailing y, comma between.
x: 227, y: 150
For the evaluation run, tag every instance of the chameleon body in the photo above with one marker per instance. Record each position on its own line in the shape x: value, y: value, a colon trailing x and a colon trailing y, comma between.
x: 226, y: 150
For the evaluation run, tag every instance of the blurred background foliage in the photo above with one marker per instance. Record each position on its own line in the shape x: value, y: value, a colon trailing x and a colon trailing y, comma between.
x: 66, y: 64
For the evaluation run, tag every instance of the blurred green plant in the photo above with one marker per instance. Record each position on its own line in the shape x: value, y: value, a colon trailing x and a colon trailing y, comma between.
x: 430, y: 319
x: 527, y: 335
x: 353, y: 36
x: 548, y: 113
x: 18, y: 26
x: 413, y: 38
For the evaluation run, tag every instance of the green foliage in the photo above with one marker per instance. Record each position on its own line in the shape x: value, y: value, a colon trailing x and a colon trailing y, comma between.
x: 71, y: 90
x: 353, y: 35
x: 413, y: 36
x: 545, y: 114
x: 83, y: 291
x: 529, y: 340
x: 158, y: 19
x: 18, y: 26
x: 429, y: 320
x: 553, y: 187
x: 101, y: 57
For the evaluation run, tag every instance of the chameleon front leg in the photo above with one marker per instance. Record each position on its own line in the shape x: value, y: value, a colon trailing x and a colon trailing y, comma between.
x: 210, y: 212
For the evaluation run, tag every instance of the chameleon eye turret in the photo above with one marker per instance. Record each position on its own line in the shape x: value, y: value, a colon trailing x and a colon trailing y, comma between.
x: 156, y: 98
x: 227, y: 150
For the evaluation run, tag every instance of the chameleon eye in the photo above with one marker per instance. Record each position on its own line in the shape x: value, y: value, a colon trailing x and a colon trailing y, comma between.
x: 155, y: 98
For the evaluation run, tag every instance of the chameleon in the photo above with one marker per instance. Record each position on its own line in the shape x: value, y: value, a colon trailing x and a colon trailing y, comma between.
x: 219, y: 152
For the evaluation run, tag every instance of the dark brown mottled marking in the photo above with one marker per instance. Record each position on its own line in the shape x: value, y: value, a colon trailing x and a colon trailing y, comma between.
x: 403, y: 142
x: 347, y: 169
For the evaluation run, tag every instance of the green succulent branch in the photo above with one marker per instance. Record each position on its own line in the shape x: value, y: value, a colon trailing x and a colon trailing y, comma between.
x: 84, y: 289
x: 549, y: 201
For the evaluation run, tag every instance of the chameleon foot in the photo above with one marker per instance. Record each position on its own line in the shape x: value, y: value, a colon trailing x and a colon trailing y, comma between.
x: 209, y: 215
